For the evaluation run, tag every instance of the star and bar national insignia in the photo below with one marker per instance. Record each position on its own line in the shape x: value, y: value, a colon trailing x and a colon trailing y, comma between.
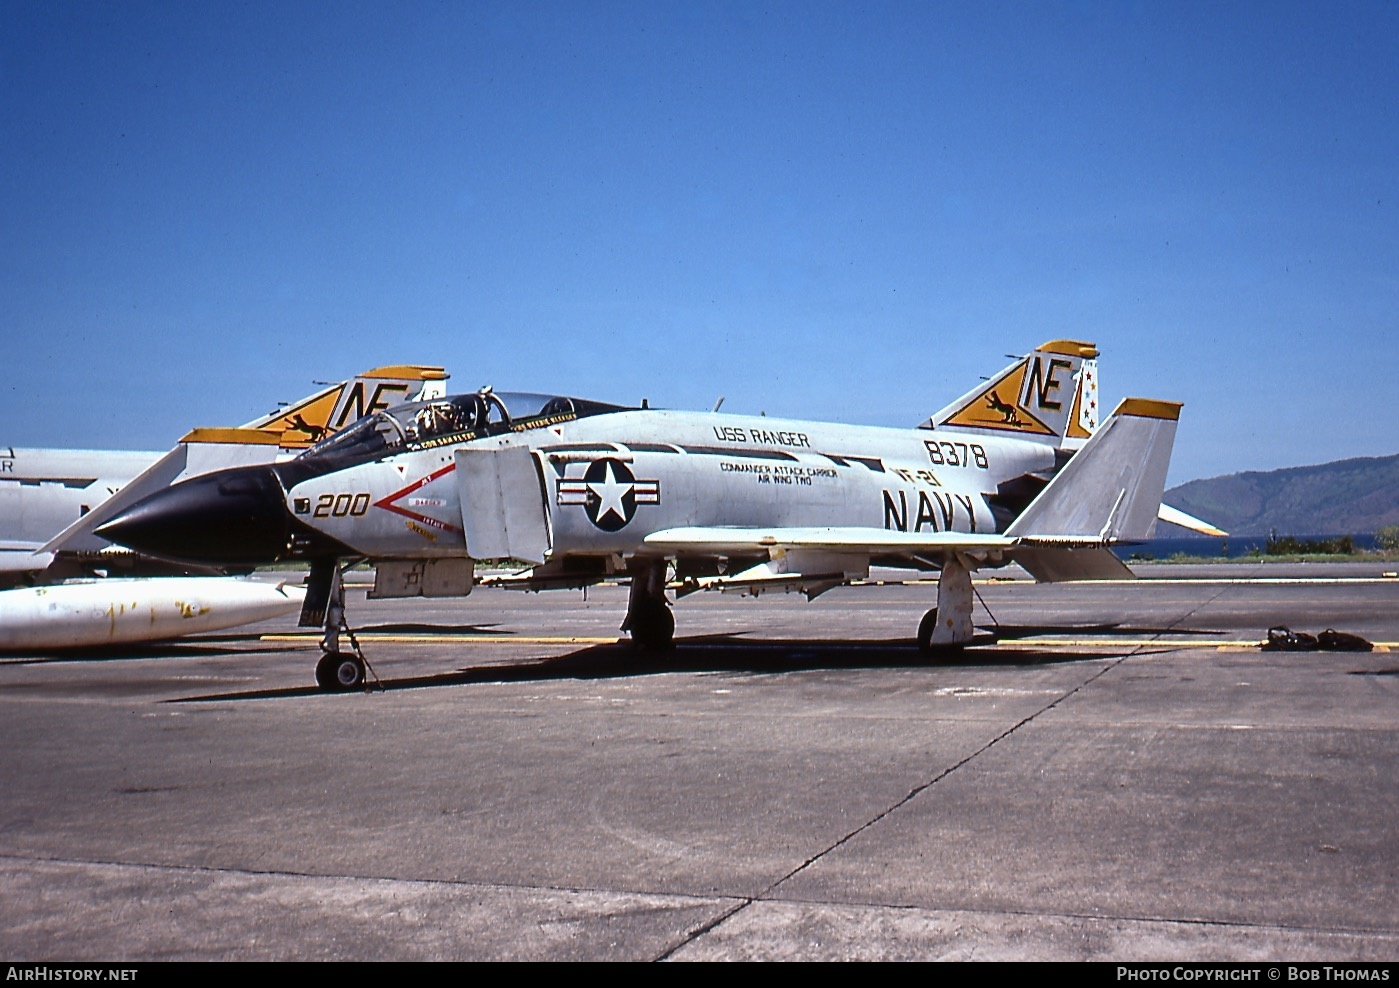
x: 609, y: 492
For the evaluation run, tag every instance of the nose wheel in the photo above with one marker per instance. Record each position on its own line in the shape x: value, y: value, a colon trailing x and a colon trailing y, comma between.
x: 339, y: 672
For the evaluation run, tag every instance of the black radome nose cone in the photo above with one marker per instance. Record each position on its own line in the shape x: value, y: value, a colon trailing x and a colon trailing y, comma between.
x: 231, y: 517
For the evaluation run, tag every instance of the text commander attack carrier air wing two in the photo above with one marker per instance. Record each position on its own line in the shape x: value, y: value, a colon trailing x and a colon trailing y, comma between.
x: 584, y: 491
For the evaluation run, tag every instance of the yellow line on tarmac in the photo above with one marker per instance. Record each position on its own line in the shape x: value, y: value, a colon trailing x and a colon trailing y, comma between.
x: 1038, y: 642
x: 1221, y: 644
x: 448, y: 637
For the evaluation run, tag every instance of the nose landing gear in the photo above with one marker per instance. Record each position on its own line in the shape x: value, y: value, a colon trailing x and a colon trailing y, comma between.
x: 337, y: 671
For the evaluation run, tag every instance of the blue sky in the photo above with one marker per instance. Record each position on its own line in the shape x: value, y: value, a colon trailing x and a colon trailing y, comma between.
x: 842, y: 211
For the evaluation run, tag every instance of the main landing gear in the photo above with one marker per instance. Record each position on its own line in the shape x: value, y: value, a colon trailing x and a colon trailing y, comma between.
x: 649, y: 619
x: 947, y: 627
x: 337, y: 671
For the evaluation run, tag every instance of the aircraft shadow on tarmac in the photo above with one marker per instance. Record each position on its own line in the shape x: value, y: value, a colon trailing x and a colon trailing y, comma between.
x: 1008, y: 631
x: 729, y: 653
x: 988, y: 634
x: 435, y: 629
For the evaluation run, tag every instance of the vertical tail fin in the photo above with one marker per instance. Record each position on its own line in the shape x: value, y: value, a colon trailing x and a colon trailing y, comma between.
x: 1050, y: 394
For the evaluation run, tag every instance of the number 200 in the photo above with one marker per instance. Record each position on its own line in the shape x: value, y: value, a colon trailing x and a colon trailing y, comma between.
x: 341, y: 505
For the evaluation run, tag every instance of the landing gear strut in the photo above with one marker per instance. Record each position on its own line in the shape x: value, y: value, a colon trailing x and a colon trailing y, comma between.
x: 337, y: 671
x: 948, y: 626
x: 649, y: 619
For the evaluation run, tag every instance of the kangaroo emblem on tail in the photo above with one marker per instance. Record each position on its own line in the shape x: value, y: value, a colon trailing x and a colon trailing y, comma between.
x: 315, y: 432
x: 1008, y: 416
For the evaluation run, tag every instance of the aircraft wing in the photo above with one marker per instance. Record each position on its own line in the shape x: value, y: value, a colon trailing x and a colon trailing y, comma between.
x: 816, y: 559
x: 874, y: 541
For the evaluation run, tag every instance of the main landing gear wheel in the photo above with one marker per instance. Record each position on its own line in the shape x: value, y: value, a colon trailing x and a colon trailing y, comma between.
x: 339, y: 672
x: 926, y: 627
x: 652, y: 626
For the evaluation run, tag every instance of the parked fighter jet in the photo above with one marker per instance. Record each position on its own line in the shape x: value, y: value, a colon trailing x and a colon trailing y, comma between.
x: 583, y: 490
x: 42, y: 490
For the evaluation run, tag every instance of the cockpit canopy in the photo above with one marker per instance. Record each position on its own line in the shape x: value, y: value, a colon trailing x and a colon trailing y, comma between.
x: 439, y: 421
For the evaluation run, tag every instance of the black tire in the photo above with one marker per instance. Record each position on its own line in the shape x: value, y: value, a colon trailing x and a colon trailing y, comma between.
x: 339, y: 672
x: 653, y: 627
x: 926, y: 627
x: 925, y: 632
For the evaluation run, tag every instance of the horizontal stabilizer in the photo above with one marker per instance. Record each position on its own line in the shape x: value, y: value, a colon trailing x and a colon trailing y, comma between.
x: 1111, y: 490
x: 1061, y: 564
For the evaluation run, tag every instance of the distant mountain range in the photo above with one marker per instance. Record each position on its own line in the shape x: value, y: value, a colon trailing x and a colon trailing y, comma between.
x: 1347, y: 497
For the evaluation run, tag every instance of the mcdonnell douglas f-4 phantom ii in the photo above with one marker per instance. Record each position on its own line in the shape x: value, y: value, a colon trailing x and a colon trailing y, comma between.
x: 1017, y: 469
